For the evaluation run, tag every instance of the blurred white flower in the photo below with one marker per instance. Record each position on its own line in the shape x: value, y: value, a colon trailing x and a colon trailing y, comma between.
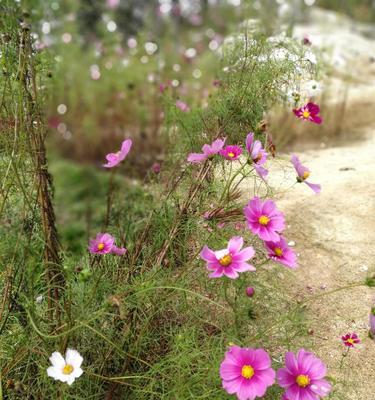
x: 310, y: 56
x: 312, y: 88
x: 150, y: 48
x: 65, y: 370
x: 39, y: 299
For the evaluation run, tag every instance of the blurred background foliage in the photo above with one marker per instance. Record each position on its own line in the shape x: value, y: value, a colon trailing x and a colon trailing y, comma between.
x: 112, y: 60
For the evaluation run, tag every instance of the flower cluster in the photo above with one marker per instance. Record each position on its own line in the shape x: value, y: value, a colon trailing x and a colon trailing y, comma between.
x: 248, y: 373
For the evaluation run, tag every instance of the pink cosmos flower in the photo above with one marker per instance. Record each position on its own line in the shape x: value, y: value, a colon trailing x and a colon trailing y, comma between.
x: 350, y: 339
x: 264, y: 219
x: 372, y: 322
x: 284, y: 397
x: 281, y: 253
x: 229, y: 261
x: 182, y: 106
x: 118, y: 251
x: 257, y: 154
x: 113, y: 3
x: 208, y: 151
x: 115, y: 158
x: 156, y: 167
x: 309, y: 112
x: 231, y: 152
x: 303, y: 377
x: 104, y: 243
x: 246, y: 372
x: 303, y: 173
x: 163, y: 87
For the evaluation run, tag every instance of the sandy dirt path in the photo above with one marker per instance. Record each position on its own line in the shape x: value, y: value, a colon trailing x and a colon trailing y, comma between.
x: 335, y: 236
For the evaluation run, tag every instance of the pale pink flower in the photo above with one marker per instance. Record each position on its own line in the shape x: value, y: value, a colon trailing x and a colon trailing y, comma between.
x: 257, y: 154
x: 114, y: 159
x: 230, y: 261
x: 303, y: 173
x: 182, y: 106
x: 208, y: 150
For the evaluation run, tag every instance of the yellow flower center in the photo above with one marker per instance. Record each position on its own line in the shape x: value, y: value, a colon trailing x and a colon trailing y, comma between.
x: 350, y: 341
x: 247, y: 371
x: 278, y: 251
x: 231, y: 155
x: 264, y: 220
x: 100, y: 246
x: 226, y: 260
x: 306, y: 114
x: 306, y: 174
x: 68, y: 369
x: 302, y: 380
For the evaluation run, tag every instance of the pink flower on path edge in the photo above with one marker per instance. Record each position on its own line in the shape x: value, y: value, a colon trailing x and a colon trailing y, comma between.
x: 257, y: 154
x: 372, y: 322
x: 303, y: 377
x: 115, y: 158
x: 281, y: 253
x: 104, y: 243
x: 246, y: 372
x: 208, y: 151
x: 230, y: 261
x: 303, y: 173
x: 231, y: 152
x: 264, y: 219
x: 350, y: 339
x: 309, y: 112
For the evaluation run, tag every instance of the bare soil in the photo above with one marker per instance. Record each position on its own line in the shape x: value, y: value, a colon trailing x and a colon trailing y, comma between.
x: 334, y: 234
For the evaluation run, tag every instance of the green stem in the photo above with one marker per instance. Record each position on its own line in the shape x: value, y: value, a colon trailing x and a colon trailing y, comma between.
x: 230, y: 181
x: 232, y: 305
x: 344, y: 355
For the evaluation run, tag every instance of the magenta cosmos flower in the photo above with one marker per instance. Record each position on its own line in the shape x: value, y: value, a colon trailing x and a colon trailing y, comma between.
x: 209, y: 150
x: 309, y: 112
x: 229, y: 261
x: 231, y: 152
x: 114, y: 159
x: 246, y: 372
x: 257, y: 154
x: 264, y: 219
x: 303, y: 173
x: 281, y: 253
x: 350, y: 339
x: 104, y: 243
x: 303, y: 377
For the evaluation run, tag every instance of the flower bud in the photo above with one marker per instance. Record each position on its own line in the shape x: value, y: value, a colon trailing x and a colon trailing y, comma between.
x: 250, y: 291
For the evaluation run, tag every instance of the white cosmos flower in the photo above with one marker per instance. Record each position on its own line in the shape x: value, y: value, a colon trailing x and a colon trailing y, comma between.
x: 312, y: 88
x: 65, y: 370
